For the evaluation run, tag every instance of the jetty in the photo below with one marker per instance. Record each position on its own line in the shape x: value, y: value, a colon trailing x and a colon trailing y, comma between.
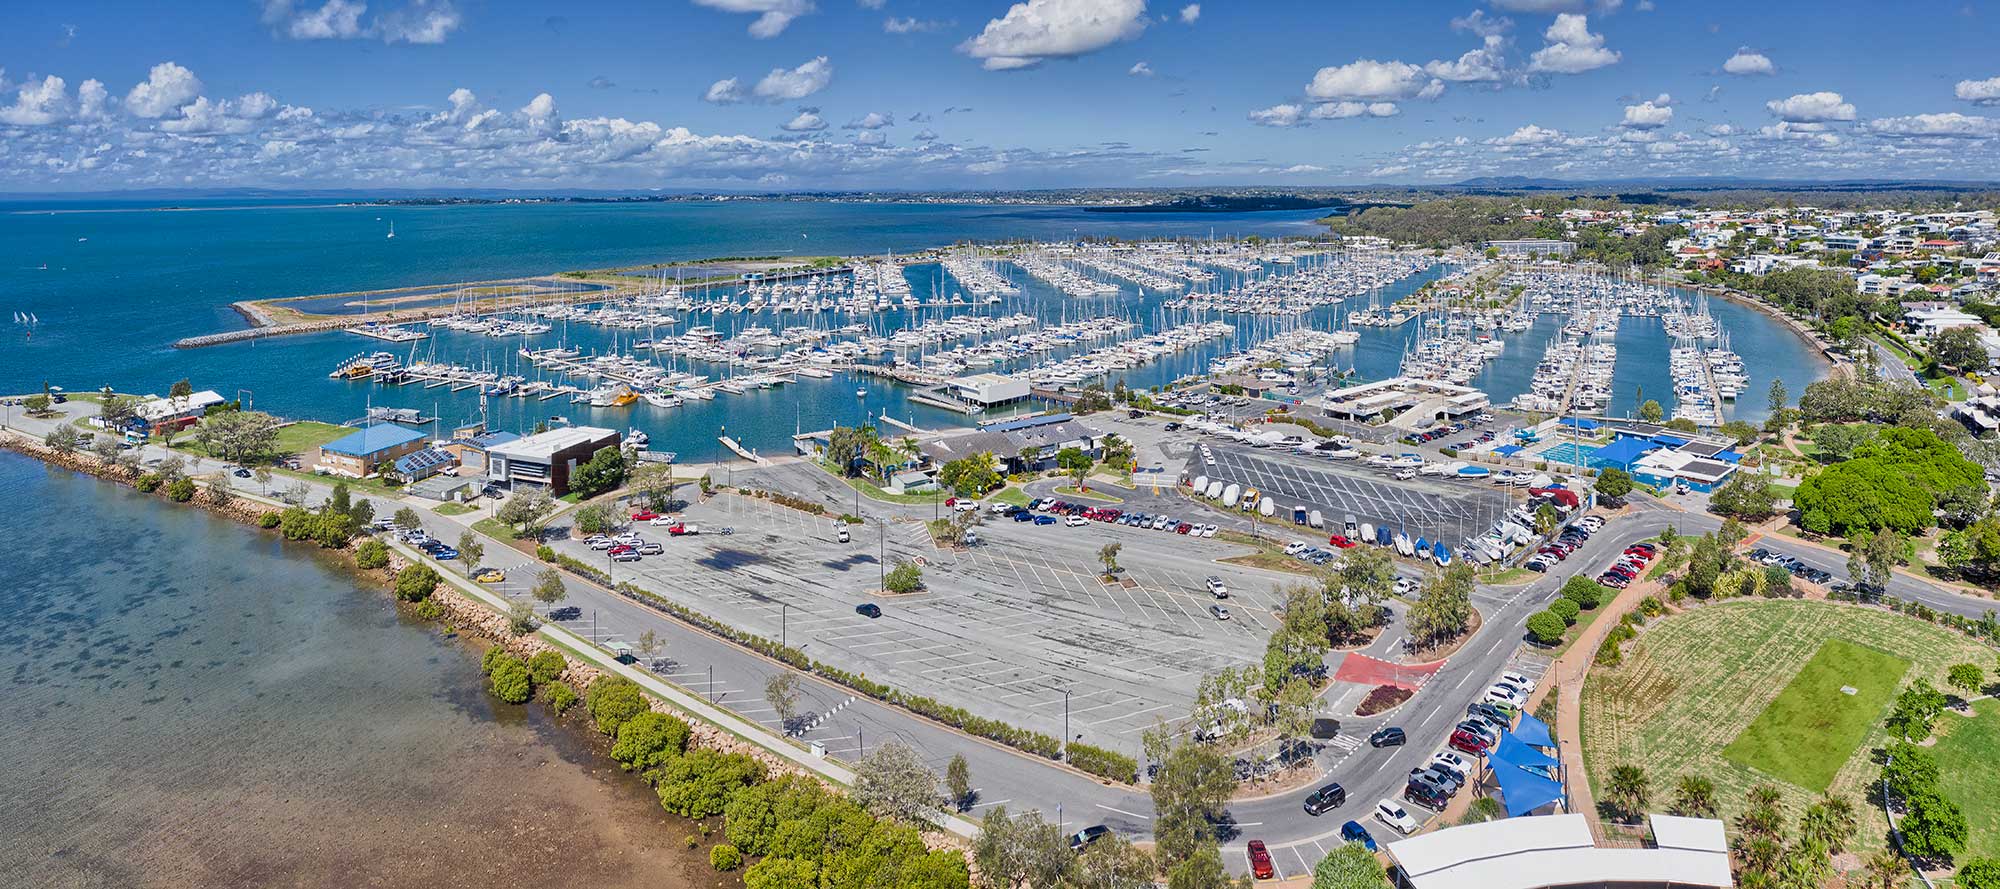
x: 742, y: 451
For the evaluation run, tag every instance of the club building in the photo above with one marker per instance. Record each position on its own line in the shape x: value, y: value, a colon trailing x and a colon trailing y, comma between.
x: 369, y: 451
x: 546, y: 459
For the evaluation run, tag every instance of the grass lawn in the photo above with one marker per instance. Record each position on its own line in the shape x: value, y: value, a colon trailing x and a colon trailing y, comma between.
x: 1968, y: 752
x: 1583, y: 621
x: 870, y: 491
x: 1813, y: 726
x: 293, y: 438
x: 1011, y: 497
x: 1693, y: 683
x: 495, y: 529
x: 1067, y: 491
x: 455, y: 508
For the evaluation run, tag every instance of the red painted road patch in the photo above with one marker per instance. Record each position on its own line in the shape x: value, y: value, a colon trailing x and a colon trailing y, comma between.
x: 1364, y: 670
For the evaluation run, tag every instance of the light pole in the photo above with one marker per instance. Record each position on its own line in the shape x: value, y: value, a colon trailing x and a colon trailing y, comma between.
x: 882, y: 560
x: 784, y: 619
x: 711, y: 683
x: 1065, y: 737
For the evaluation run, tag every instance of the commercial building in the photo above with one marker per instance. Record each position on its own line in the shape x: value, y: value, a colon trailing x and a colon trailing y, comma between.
x: 988, y: 390
x: 1020, y: 444
x: 1407, y: 400
x: 1557, y: 850
x: 368, y: 451
x: 1528, y: 248
x: 547, y: 459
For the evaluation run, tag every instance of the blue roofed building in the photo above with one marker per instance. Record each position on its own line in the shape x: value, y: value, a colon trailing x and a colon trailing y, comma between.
x: 366, y: 452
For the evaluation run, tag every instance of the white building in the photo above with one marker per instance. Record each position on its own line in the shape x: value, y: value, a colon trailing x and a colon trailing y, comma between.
x: 547, y: 459
x: 987, y: 390
x: 1540, y: 851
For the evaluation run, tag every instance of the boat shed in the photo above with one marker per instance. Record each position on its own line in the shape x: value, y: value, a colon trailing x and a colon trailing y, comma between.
x: 546, y: 459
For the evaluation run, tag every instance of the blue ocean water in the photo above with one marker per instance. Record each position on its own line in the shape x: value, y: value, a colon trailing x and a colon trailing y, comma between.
x: 124, y: 280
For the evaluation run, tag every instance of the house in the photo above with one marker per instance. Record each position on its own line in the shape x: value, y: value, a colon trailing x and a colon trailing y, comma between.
x: 911, y: 481
x: 1021, y: 444
x: 1932, y: 318
x: 547, y: 459
x: 176, y: 413
x: 368, y: 451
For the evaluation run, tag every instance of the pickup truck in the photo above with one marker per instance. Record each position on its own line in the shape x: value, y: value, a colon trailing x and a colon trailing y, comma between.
x: 682, y: 530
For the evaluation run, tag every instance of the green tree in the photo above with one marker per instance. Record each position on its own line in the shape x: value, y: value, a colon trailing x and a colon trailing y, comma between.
x: 407, y: 519
x: 1959, y: 349
x: 611, y: 701
x: 547, y: 666
x: 1546, y: 627
x: 906, y: 577
x: 605, y: 471
x: 1747, y: 496
x: 371, y: 554
x: 416, y: 582
x: 782, y: 873
x: 1613, y: 483
x: 697, y: 784
x: 180, y: 490
x: 1190, y: 789
x: 725, y: 857
x: 511, y: 682
x: 1629, y: 790
x: 970, y: 476
x: 470, y: 550
x: 1112, y: 863
x: 37, y: 404
x: 1651, y: 412
x: 597, y: 518
x: 525, y: 511
x: 782, y: 691
x: 1107, y: 555
x: 1916, y: 710
x: 1909, y: 769
x: 64, y: 440
x: 1074, y: 462
x: 1777, y: 397
x: 1933, y: 827
x: 1968, y: 678
x: 649, y: 740
x: 1978, y: 873
x: 653, y: 484
x: 521, y: 619
x: 1694, y: 797
x: 1443, y: 611
x: 1586, y: 593
x: 239, y: 436
x: 958, y: 781
x: 1017, y: 851
x: 1350, y: 866
x: 892, y: 782
x: 549, y: 587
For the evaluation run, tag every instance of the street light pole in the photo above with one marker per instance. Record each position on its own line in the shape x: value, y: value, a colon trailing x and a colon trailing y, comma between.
x: 1065, y: 737
x: 711, y: 683
x: 783, y: 620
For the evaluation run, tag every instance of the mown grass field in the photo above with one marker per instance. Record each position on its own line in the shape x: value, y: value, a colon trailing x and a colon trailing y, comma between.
x: 1968, y: 752
x: 1810, y: 729
x: 1692, y: 683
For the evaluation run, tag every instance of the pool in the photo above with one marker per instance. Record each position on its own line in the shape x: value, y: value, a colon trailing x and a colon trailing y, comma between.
x: 1571, y: 453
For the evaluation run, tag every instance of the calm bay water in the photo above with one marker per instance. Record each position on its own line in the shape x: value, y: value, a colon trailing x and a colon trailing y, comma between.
x: 190, y: 703
x: 122, y: 284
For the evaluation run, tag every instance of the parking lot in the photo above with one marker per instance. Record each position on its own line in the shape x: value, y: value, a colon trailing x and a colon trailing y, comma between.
x: 1003, y: 629
x: 1431, y: 507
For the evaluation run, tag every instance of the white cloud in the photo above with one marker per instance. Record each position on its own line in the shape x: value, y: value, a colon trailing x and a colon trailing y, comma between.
x: 1979, y: 92
x: 806, y: 122
x: 1388, y: 170
x: 872, y: 4
x: 1747, y: 62
x: 1648, y: 115
x: 1344, y: 110
x: 1572, y: 48
x: 421, y: 21
x: 206, y: 118
x: 773, y: 16
x: 1035, y: 30
x: 909, y: 25
x: 1811, y: 108
x: 1950, y: 124
x: 924, y: 136
x: 1368, y: 79
x: 724, y: 92
x: 789, y: 85
x: 1190, y: 13
x: 166, y: 88
x: 1720, y: 129
x: 873, y: 120
x: 38, y: 104
x: 90, y: 99
x: 1482, y: 65
x: 1542, y: 7
x: 1278, y: 116
x: 871, y: 137
x: 1528, y: 135
x: 1478, y: 22
x: 1140, y: 69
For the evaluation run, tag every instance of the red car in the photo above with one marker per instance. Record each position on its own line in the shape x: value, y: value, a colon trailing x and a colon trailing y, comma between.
x: 1183, y: 528
x: 1468, y: 742
x: 646, y: 515
x: 1260, y: 861
x: 1341, y: 541
x: 621, y: 548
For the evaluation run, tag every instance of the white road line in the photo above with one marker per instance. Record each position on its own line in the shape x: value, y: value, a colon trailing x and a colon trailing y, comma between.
x: 1125, y: 813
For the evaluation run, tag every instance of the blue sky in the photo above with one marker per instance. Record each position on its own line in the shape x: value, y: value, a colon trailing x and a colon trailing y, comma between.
x: 805, y: 94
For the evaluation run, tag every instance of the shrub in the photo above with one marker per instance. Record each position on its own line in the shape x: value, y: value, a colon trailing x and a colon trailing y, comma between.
x: 181, y: 490
x: 1546, y: 626
x: 698, y: 783
x: 492, y: 659
x: 546, y: 666
x: 1586, y: 593
x: 1652, y: 606
x: 147, y: 483
x: 1567, y: 609
x: 906, y: 577
x: 415, y: 583
x: 559, y: 697
x: 429, y: 609
x: 649, y: 740
x: 267, y: 521
x: 371, y: 554
x: 612, y: 700
x: 511, y: 682
x: 725, y: 857
x: 545, y: 553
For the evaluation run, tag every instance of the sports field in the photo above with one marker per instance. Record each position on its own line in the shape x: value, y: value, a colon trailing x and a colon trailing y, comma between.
x: 1810, y: 729
x: 1693, y: 684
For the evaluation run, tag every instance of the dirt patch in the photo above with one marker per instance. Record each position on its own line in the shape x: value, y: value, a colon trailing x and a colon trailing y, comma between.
x: 1445, y: 651
x: 1383, y: 699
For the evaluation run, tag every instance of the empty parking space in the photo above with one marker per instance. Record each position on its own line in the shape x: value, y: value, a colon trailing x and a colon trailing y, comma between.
x: 1427, y: 507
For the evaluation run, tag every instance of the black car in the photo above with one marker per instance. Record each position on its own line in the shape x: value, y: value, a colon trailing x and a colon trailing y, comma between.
x: 1088, y: 835
x: 868, y: 609
x: 1325, y: 799
x: 567, y: 612
x: 1390, y: 736
x: 1425, y: 794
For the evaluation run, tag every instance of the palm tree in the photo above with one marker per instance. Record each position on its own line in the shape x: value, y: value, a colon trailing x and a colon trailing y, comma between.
x: 1816, y: 827
x: 1760, y: 822
x: 1764, y: 795
x: 1886, y: 869
x: 1629, y: 789
x: 1842, y: 821
x: 1759, y: 855
x: 1694, y: 797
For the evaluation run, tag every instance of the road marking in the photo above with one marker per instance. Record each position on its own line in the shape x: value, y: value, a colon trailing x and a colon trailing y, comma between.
x: 1125, y: 813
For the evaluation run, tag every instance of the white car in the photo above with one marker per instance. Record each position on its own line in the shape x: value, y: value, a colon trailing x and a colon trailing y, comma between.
x: 1591, y: 523
x: 1393, y: 814
x: 664, y: 521
x: 1453, y: 761
x: 600, y: 543
x: 1076, y: 521
x: 1406, y: 475
x: 1208, y: 530
x: 1294, y: 548
x: 1216, y: 589
x: 1504, y: 694
x: 1518, y: 680
x: 964, y: 505
x: 999, y: 508
x: 1406, y: 586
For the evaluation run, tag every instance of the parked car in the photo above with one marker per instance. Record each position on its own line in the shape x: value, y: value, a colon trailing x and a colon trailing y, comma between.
x: 1425, y: 794
x: 490, y: 575
x: 1045, y: 520
x: 625, y: 554
x: 645, y: 515
x: 1216, y: 589
x: 651, y: 548
x: 1340, y: 540
x: 1353, y: 832
x: 1326, y: 799
x: 1075, y: 521
x: 1469, y: 741
x: 1388, y: 736
x: 1393, y: 814
x: 1220, y: 612
x: 1519, y: 681
x: 1260, y: 861
x: 868, y: 610
x: 683, y: 530
x: 1083, y: 838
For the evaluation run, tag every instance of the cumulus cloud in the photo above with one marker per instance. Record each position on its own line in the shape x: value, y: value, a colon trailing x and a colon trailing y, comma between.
x: 792, y: 84
x: 924, y: 136
x: 1478, y: 22
x: 873, y: 120
x: 421, y: 21
x: 1035, y: 30
x: 1747, y: 62
x: 1949, y: 125
x: 1369, y: 79
x: 724, y: 92
x: 1979, y: 92
x: 166, y: 88
x: 1190, y: 13
x: 38, y: 104
x: 1483, y: 65
x: 1287, y: 115
x: 1572, y: 48
x: 1140, y: 69
x: 1527, y: 135
x: 1651, y: 114
x: 90, y: 99
x: 1811, y: 108
x: 909, y: 25
x: 773, y: 16
x: 806, y: 122
x: 1344, y: 110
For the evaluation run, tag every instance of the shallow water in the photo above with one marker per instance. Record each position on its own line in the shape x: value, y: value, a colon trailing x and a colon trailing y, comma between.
x: 191, y: 703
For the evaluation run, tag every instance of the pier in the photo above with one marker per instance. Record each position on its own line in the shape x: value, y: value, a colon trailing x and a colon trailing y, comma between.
x: 742, y: 451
